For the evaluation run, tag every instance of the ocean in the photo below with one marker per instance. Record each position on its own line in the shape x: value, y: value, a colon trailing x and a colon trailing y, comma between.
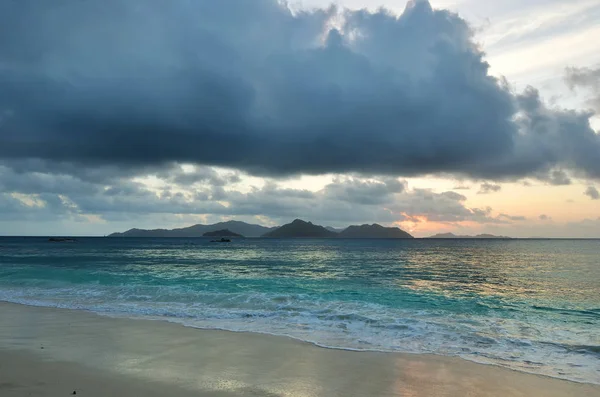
x: 529, y: 305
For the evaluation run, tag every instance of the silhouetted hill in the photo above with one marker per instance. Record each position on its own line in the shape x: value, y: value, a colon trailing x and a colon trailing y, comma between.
x: 373, y: 231
x: 222, y: 233
x: 300, y: 229
x: 482, y: 236
x: 142, y: 233
x: 243, y: 228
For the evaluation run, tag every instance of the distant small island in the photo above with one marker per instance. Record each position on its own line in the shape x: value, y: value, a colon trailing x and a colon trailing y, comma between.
x: 479, y: 236
x: 222, y: 233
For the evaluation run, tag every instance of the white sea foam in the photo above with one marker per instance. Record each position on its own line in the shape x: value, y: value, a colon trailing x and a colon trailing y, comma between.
x: 526, y: 344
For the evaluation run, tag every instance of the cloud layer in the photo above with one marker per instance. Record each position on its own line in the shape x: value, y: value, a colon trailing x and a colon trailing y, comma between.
x: 132, y: 85
x: 101, y: 102
x: 204, y: 191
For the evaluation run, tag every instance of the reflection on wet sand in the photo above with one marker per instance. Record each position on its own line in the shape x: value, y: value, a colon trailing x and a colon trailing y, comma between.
x: 220, y: 363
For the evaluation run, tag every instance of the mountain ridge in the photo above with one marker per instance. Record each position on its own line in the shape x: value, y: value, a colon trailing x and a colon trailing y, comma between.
x: 198, y: 230
x: 300, y: 229
x: 374, y: 231
x: 295, y: 229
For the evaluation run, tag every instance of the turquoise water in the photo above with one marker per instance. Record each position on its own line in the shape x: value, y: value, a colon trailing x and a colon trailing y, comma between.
x: 530, y: 305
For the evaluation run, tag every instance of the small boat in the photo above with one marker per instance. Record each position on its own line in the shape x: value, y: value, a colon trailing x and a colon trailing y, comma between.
x: 222, y: 240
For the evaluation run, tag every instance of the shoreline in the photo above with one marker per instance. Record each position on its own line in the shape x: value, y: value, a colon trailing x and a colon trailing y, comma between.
x: 180, y: 323
x: 134, y: 352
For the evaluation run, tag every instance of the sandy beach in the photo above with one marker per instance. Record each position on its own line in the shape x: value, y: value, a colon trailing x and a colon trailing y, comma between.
x: 54, y: 352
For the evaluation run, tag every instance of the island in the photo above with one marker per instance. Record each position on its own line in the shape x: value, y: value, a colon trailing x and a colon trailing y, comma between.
x: 296, y: 229
x: 479, y: 236
x: 222, y: 233
x: 374, y: 231
x: 242, y: 228
x: 300, y: 229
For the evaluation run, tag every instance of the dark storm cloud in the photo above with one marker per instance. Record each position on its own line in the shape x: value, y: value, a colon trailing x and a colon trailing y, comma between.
x: 133, y: 85
x: 592, y: 193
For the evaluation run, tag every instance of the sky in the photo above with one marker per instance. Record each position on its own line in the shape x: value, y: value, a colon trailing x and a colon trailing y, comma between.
x: 463, y: 116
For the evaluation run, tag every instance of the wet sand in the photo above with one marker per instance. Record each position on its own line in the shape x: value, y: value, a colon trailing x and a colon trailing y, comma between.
x: 53, y: 352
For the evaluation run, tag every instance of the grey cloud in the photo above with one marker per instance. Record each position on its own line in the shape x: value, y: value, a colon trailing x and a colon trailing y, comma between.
x: 203, y: 175
x: 454, y: 196
x: 545, y: 217
x: 358, y: 191
x: 592, y: 193
x: 517, y: 218
x: 39, y: 208
x: 137, y: 199
x: 38, y: 182
x: 345, y: 200
x: 487, y: 188
x: 105, y: 174
x: 348, y: 200
x: 10, y: 205
x: 482, y: 212
x: 587, y: 78
x: 439, y: 207
x: 67, y: 196
x: 133, y: 85
x: 555, y: 177
x: 555, y: 134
